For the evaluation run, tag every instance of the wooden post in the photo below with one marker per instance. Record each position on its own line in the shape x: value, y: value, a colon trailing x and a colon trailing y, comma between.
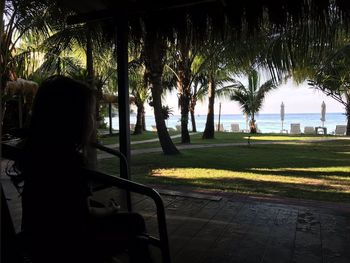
x: 122, y: 31
x: 123, y: 91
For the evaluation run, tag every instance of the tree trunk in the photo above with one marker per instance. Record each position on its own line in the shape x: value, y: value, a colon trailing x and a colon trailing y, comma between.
x: 184, y: 104
x: 143, y: 120
x: 252, y: 125
x: 154, y: 53
x: 193, y: 120
x: 139, y: 124
x: 110, y: 118
x: 163, y: 135
x: 193, y: 103
x: 347, y: 108
x: 2, y: 7
x: 184, y: 88
x: 91, y: 152
x: 209, y: 125
x: 99, y: 96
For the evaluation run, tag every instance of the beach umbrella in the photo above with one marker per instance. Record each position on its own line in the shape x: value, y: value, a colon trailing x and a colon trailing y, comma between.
x: 323, y: 113
x: 282, y: 114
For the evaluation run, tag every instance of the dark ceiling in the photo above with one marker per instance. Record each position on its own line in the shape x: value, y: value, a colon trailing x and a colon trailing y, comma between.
x: 278, y: 12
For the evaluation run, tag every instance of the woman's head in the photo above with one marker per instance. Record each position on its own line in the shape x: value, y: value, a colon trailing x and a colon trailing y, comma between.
x: 62, y: 113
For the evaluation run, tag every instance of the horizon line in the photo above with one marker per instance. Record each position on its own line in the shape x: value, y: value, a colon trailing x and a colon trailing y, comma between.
x: 270, y: 113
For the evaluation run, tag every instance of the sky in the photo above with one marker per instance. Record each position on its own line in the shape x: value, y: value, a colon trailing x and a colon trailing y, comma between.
x: 296, y: 98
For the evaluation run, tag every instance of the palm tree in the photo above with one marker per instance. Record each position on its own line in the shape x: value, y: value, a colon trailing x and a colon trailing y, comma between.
x: 217, y: 71
x: 183, y: 64
x: 22, y: 19
x: 84, y: 41
x: 154, y: 51
x: 198, y: 92
x: 251, y: 97
x: 141, y: 92
x: 333, y: 79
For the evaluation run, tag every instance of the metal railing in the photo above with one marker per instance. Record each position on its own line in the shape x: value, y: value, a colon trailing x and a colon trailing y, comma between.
x: 11, y: 152
x: 130, y: 186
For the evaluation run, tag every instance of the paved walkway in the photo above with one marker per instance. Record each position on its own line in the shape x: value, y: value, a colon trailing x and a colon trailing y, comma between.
x: 241, y: 228
x: 221, y: 227
x: 148, y: 141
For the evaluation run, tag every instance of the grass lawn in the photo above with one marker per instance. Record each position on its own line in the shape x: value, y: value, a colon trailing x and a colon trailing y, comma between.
x: 220, y: 137
x: 318, y: 171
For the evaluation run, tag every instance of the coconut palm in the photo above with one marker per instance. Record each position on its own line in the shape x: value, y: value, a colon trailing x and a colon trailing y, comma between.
x: 333, y: 79
x: 22, y: 19
x: 251, y: 97
x: 218, y: 71
x: 217, y: 87
x: 183, y: 64
x: 140, y: 91
x: 154, y: 50
x: 198, y: 93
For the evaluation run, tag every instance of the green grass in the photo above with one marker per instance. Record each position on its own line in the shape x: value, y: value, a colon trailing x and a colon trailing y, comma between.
x: 318, y: 171
x: 220, y: 137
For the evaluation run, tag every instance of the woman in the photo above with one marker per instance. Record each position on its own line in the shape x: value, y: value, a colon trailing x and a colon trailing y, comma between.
x: 58, y: 223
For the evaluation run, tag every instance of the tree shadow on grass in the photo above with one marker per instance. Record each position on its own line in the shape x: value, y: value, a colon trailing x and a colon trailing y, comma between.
x: 246, y: 186
x: 298, y: 173
x: 279, y: 160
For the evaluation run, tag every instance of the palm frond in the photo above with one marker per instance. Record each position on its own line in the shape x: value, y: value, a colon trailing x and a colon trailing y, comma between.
x: 243, y: 99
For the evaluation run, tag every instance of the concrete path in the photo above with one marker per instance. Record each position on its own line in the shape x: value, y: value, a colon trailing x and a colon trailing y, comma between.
x: 148, y: 141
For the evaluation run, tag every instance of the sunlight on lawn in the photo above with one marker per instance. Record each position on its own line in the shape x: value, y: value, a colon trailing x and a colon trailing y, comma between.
x: 330, y: 177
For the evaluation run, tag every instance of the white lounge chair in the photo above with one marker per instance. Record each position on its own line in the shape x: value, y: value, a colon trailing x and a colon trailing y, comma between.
x: 235, y: 127
x: 295, y: 128
x: 221, y: 127
x: 340, y: 130
x: 309, y: 130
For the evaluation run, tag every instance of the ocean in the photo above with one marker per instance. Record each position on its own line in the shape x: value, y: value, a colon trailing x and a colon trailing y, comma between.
x: 267, y: 123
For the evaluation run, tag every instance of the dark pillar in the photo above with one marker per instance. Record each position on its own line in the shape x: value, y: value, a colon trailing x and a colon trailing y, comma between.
x: 123, y: 92
x: 123, y: 99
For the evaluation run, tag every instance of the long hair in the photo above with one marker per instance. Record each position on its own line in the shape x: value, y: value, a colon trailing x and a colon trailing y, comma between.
x: 61, y: 121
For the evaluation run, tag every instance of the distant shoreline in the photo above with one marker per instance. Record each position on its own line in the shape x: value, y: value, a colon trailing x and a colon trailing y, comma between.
x: 237, y: 114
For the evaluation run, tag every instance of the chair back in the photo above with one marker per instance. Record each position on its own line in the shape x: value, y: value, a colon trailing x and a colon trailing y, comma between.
x: 309, y: 130
x: 295, y: 128
x: 340, y: 130
x: 235, y: 127
x: 221, y: 127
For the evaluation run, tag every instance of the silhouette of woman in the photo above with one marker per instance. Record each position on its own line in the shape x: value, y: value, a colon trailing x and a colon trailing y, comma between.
x: 58, y: 223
